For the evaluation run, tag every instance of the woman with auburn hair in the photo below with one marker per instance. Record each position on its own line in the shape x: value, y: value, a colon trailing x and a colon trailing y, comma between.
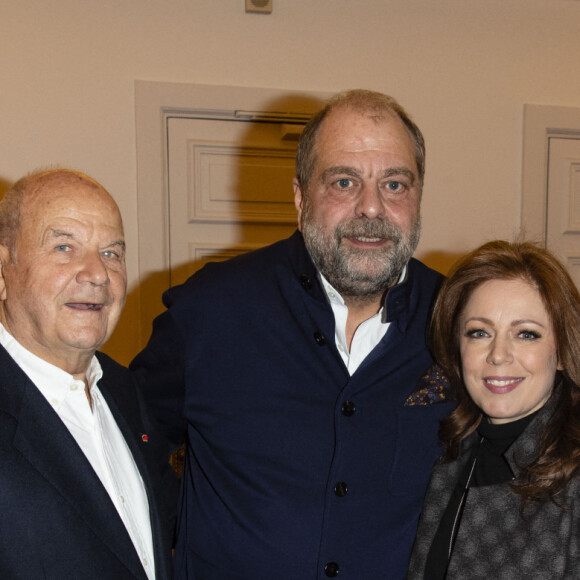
x: 504, y: 500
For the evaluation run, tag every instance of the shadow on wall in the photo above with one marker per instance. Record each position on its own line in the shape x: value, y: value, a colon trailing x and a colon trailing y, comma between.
x: 440, y: 261
x: 122, y: 344
x: 4, y: 185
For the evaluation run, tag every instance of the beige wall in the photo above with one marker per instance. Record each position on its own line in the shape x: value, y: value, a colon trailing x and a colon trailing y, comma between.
x: 463, y: 68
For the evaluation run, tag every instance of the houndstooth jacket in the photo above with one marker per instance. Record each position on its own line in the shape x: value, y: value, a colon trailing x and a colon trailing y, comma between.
x: 494, y: 539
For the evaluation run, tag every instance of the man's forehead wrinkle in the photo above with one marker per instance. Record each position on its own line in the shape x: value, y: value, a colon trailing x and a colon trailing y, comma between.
x: 75, y: 232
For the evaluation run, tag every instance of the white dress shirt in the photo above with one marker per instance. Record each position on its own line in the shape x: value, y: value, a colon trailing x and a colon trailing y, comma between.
x: 366, y: 336
x: 99, y: 437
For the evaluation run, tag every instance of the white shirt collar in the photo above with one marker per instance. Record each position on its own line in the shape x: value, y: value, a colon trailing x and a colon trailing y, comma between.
x: 367, y: 335
x: 50, y: 380
x: 334, y: 296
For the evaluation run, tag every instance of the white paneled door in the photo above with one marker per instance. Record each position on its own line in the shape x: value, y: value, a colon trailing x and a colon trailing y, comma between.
x: 563, y: 203
x: 230, y: 188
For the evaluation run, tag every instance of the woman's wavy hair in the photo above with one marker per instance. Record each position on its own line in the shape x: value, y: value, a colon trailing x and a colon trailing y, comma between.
x: 559, y: 450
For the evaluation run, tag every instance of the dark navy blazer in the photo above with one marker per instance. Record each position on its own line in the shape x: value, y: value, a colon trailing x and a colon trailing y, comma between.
x: 57, y: 521
x: 294, y: 470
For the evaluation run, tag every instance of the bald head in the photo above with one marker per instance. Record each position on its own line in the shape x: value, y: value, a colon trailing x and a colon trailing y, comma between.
x: 36, y: 187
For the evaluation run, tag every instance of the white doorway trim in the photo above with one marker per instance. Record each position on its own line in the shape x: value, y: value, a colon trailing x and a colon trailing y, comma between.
x: 540, y: 124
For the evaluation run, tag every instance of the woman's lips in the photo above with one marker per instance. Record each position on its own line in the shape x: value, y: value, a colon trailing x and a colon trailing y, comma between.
x: 501, y: 385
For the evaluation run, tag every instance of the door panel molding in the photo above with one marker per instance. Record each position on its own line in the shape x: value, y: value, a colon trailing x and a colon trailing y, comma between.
x: 219, y: 202
x: 541, y: 123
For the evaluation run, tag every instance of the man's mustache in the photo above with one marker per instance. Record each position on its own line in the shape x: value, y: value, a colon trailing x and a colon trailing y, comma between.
x: 357, y: 228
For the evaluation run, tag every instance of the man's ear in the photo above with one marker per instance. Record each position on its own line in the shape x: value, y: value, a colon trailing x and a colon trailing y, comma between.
x: 4, y: 261
x: 298, y: 201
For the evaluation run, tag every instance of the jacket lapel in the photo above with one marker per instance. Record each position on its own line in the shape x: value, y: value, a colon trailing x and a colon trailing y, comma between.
x: 131, y: 424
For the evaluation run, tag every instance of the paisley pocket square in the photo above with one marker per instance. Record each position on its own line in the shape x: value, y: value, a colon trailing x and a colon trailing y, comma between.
x: 432, y: 387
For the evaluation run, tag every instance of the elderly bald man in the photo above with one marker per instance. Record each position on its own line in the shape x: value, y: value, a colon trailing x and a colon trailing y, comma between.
x: 86, y: 488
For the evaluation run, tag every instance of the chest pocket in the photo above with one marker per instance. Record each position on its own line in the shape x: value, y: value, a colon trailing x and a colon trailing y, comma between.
x: 417, y: 444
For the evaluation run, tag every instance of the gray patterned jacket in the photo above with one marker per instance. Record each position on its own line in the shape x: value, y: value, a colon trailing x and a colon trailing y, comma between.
x: 494, y: 541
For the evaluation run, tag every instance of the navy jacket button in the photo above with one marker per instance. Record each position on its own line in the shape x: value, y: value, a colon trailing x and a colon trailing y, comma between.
x: 341, y: 489
x: 320, y: 338
x: 348, y: 408
x: 331, y: 569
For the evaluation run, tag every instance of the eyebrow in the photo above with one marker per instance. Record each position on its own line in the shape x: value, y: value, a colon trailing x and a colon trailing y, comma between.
x: 55, y: 233
x: 339, y: 170
x: 513, y: 324
x: 120, y: 243
x: 346, y: 170
x: 399, y: 171
x: 59, y: 234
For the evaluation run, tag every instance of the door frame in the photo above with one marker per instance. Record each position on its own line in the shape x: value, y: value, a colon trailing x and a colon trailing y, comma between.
x: 155, y: 103
x: 541, y: 123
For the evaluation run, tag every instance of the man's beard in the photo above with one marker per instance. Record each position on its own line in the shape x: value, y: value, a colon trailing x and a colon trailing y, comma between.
x: 357, y: 272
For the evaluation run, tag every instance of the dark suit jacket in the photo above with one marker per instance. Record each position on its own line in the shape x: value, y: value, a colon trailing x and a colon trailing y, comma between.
x: 293, y: 467
x: 56, y: 518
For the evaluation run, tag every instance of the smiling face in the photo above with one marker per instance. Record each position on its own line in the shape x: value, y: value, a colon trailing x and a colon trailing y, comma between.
x: 508, y: 349
x: 360, y: 217
x: 63, y: 284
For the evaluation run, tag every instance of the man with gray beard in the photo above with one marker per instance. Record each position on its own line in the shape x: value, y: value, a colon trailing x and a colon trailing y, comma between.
x: 298, y: 375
